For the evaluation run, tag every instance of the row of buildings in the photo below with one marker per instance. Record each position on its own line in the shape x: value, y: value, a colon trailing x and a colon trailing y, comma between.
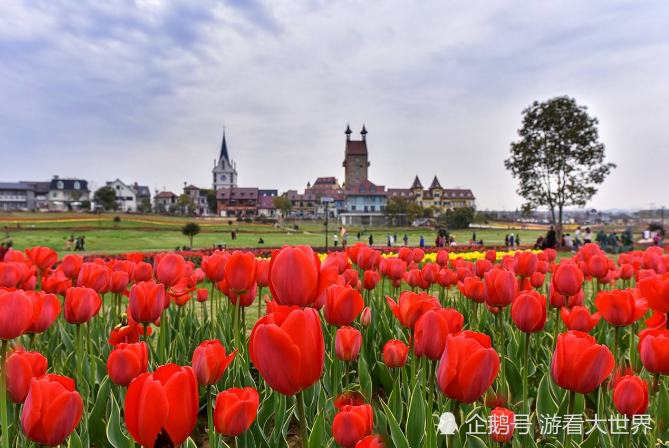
x: 357, y: 201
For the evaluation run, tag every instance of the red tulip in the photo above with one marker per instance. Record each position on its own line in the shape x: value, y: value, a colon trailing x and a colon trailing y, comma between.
x: 235, y: 410
x: 81, y: 305
x: 630, y: 395
x: 10, y: 275
x: 411, y: 306
x: 347, y: 343
x: 349, y: 398
x: 558, y: 300
x: 161, y: 407
x: 371, y: 442
x: 395, y: 353
x: 429, y: 272
x: 169, y: 269
x: 468, y: 366
x: 656, y: 291
x: 366, y: 317
x: 16, y: 314
x: 342, y: 305
x: 46, y: 308
x: 396, y: 268
x: 567, y: 279
x: 417, y: 255
x: 525, y: 263
x: 529, y: 312
x: 126, y: 333
x: 473, y: 288
x: 288, y: 349
x: 654, y: 351
x: 244, y: 299
x: 447, y: 278
x: 71, y: 265
x: 351, y: 424
x: 94, y: 276
x: 202, y: 294
x: 371, y: 279
x: 491, y: 255
x: 147, y: 301
x: 579, y: 363
x: 210, y: 361
x: 143, y: 272
x: 578, y: 318
x: 42, y: 257
x: 22, y: 367
x: 296, y: 277
x: 52, y: 410
x: 119, y: 281
x: 240, y: 272
x: 432, y: 328
x: 262, y: 271
x: 501, y: 287
x: 481, y: 267
x: 442, y: 257
x: 126, y: 362
x: 598, y: 266
x: 502, y: 425
x: 367, y: 258
x: 537, y: 280
x: 619, y: 307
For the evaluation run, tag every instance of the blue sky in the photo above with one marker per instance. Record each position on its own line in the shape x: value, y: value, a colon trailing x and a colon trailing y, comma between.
x: 140, y: 90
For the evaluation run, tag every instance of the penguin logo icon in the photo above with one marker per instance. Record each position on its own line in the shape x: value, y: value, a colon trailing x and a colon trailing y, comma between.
x: 447, y: 425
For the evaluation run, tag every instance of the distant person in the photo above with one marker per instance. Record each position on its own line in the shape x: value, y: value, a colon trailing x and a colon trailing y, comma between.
x: 389, y: 239
x: 358, y: 236
x: 551, y: 238
x: 3, y: 251
x: 395, y: 238
x: 518, y: 240
x: 506, y: 240
x: 539, y: 244
x: 587, y: 236
x: 261, y: 241
x: 336, y: 240
x: 474, y: 236
x: 578, y: 235
x: 511, y: 240
x: 406, y: 239
x: 371, y: 239
x: 68, y: 245
x: 481, y: 242
x: 344, y: 241
x: 568, y: 242
x: 422, y: 242
x: 83, y: 243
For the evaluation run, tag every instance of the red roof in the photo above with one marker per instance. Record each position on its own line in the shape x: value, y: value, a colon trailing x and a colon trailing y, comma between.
x: 266, y: 202
x: 356, y: 147
x: 366, y: 188
x: 237, y: 193
x: 191, y: 187
x: 294, y: 196
x: 165, y: 194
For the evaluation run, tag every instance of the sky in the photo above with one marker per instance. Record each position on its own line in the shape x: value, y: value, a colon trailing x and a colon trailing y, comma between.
x: 140, y: 90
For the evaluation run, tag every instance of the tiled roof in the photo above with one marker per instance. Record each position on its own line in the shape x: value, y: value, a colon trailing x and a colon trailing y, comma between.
x: 142, y: 191
x: 366, y: 188
x: 237, y: 193
x: 40, y: 187
x: 416, y: 183
x: 165, y: 194
x: 68, y: 184
x: 405, y: 193
x: 294, y: 196
x: 435, y: 183
x: 454, y: 193
x: 356, y: 147
x: 191, y: 187
x: 266, y: 202
x: 15, y: 186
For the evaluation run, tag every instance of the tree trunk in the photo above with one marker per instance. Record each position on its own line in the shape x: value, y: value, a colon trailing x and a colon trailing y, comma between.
x: 558, y: 228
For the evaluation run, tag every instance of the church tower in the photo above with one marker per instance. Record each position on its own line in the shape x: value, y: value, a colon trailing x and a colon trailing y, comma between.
x: 356, y: 159
x: 224, y: 172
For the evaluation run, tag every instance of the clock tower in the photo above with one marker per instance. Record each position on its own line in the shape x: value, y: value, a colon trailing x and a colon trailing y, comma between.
x: 224, y: 172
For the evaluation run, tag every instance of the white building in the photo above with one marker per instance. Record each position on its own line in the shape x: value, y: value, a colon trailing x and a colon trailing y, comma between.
x: 224, y: 172
x: 126, y: 197
x: 67, y: 194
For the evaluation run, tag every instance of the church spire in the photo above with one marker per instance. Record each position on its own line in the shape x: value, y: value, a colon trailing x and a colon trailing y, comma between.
x: 348, y: 132
x: 224, y: 149
x: 363, y: 132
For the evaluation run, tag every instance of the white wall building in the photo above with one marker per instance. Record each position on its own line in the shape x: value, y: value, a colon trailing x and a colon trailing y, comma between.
x: 126, y: 197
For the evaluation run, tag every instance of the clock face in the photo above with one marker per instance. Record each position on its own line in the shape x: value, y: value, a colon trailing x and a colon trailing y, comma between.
x: 223, y: 177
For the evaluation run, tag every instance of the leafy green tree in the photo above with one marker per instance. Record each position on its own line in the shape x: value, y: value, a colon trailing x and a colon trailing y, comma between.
x: 282, y: 204
x: 185, y: 204
x: 559, y: 160
x: 460, y: 218
x: 395, y: 209
x: 414, y: 211
x: 106, y: 198
x: 211, y: 200
x: 190, y: 230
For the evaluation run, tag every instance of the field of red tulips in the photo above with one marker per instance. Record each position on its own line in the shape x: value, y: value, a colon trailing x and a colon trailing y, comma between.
x: 351, y: 349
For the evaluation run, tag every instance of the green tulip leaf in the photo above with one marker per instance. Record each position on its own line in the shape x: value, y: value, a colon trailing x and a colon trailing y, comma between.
x: 396, y: 433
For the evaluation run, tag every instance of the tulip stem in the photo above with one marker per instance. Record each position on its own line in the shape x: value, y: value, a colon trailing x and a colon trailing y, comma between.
x: 500, y: 327
x: 237, y: 311
x: 211, y: 305
x: 347, y: 367
x: 431, y: 433
x: 303, y: 421
x: 615, y: 345
x: 556, y: 326
x: 210, y: 419
x: 526, y: 366
x: 570, y: 411
x: 3, y: 395
x: 80, y: 353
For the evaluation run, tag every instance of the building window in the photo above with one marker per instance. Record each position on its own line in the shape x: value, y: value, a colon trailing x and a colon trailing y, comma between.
x: 362, y: 188
x: 436, y: 195
x: 77, y: 185
x: 60, y: 185
x: 353, y: 207
x: 372, y: 188
x: 372, y: 208
x: 417, y: 195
